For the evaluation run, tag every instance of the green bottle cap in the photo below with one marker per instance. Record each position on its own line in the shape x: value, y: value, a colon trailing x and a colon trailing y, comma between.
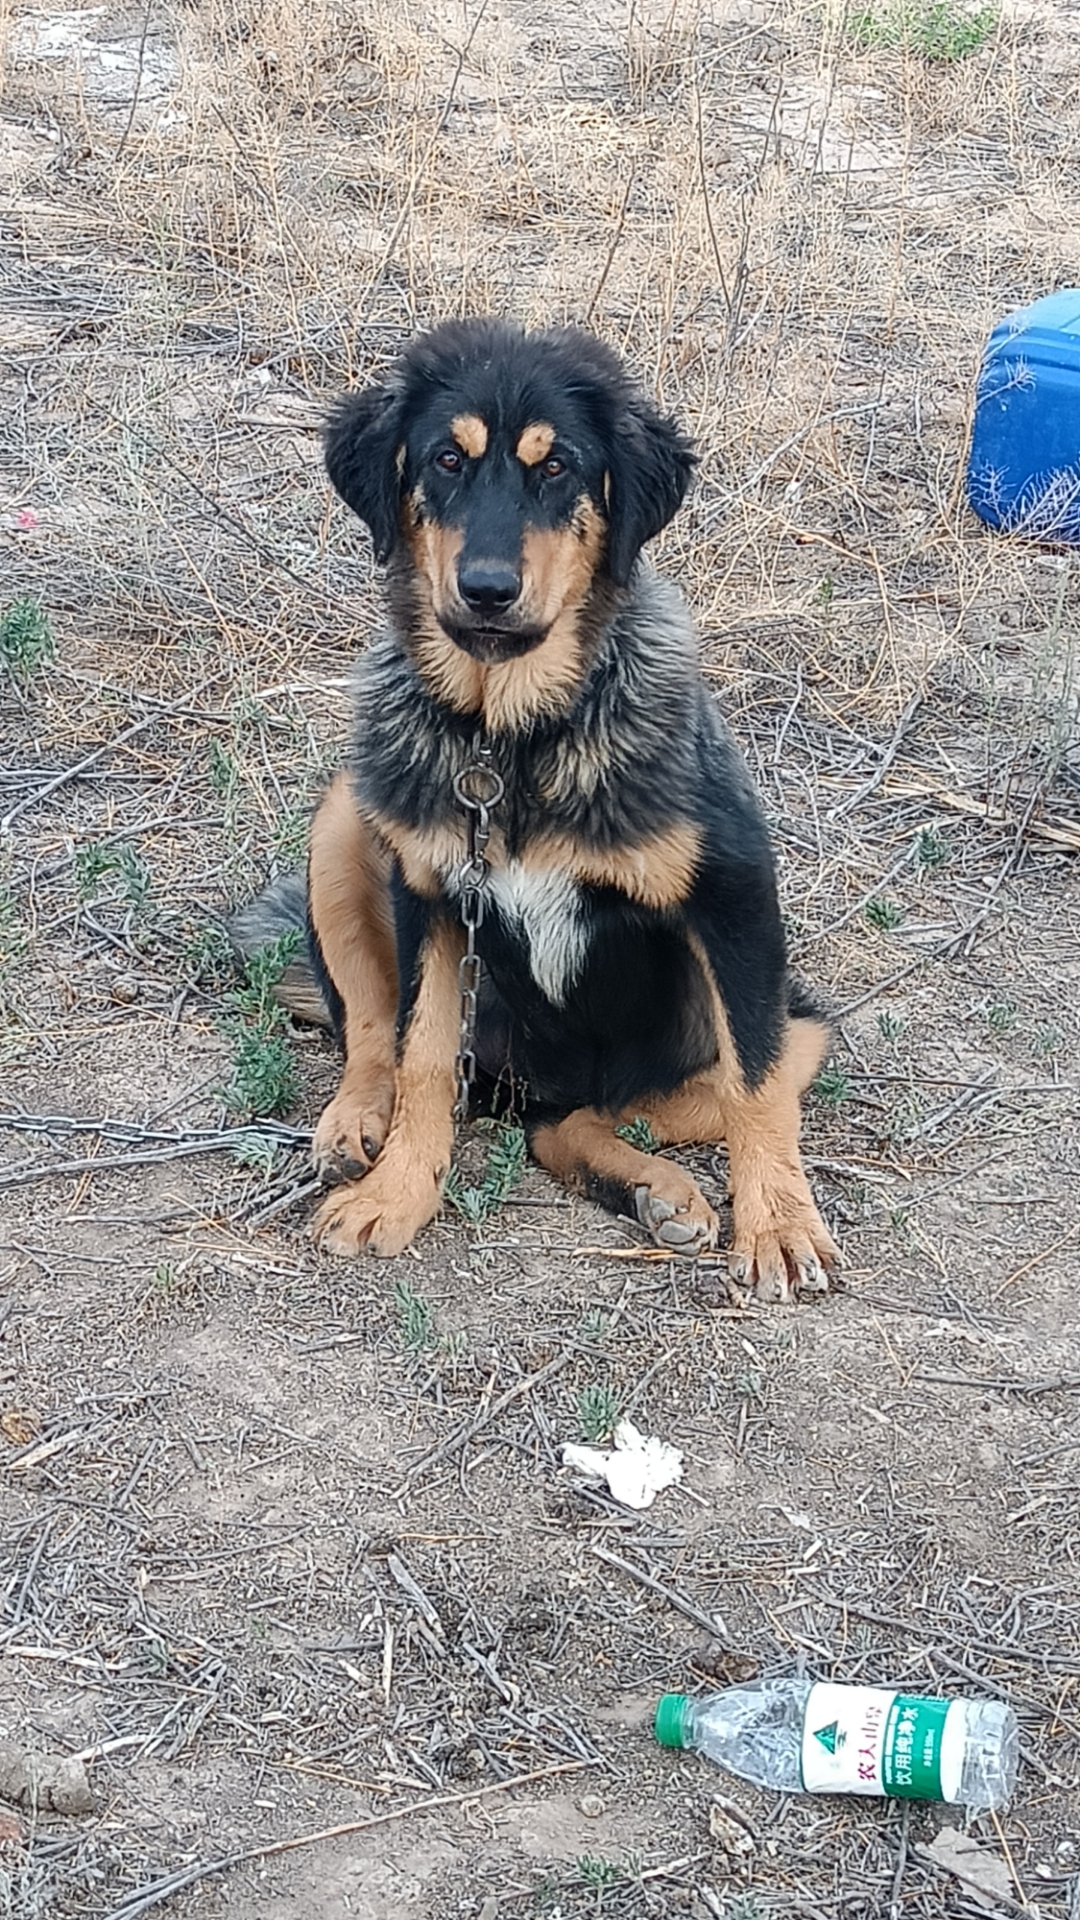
x: 670, y: 1721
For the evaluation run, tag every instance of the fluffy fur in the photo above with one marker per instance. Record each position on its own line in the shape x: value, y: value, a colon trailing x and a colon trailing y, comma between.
x: 633, y: 954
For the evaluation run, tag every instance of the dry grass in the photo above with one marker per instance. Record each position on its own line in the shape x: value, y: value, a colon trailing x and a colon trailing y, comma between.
x: 800, y: 246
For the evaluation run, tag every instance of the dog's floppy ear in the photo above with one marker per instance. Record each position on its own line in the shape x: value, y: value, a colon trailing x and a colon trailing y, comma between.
x: 363, y: 437
x: 648, y: 473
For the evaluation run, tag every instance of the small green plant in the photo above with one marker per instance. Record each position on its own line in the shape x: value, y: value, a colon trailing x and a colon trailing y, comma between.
x: 904, y: 1120
x: 749, y: 1384
x: 12, y: 937
x: 249, y: 715
x: 941, y: 30
x: 596, y: 1872
x: 26, y: 638
x: 825, y: 592
x: 209, y: 957
x: 638, y: 1133
x: 598, y: 1411
x: 890, y: 1025
x: 263, y: 1076
x: 453, y: 1348
x: 932, y: 849
x: 254, y: 998
x: 224, y: 771
x: 415, y: 1318
x: 226, y: 779
x: 255, y: 1150
x: 502, y: 1171
x: 742, y: 1906
x: 1048, y: 1040
x: 97, y: 860
x: 169, y: 1289
x: 290, y: 836
x: 1001, y: 1016
x: 832, y: 1085
x: 595, y: 1325
x: 883, y: 914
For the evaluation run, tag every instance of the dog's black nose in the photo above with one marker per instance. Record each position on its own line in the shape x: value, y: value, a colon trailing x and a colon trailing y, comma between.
x: 488, y: 587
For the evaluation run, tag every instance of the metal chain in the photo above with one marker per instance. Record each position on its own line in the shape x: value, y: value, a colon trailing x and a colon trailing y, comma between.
x: 478, y: 788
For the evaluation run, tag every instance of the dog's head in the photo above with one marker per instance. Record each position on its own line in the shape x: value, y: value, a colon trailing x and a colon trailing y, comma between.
x: 515, y: 468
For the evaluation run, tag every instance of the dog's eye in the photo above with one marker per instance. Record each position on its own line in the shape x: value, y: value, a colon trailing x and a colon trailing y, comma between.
x: 449, y: 460
x: 554, y: 467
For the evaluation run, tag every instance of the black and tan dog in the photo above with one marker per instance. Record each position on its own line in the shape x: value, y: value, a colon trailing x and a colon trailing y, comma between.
x: 632, y: 948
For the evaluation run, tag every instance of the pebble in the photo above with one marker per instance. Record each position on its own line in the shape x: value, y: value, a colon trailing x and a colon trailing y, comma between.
x: 591, y: 1806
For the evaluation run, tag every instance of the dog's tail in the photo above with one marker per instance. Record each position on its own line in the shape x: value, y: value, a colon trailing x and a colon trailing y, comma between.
x: 282, y: 908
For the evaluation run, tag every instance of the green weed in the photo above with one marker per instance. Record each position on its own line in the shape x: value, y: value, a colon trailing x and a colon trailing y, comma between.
x: 749, y: 1384
x: 890, y: 1025
x: 1048, y: 1040
x: 904, y: 1119
x: 1001, y: 1016
x: 209, y: 958
x: 290, y: 836
x: 594, y: 1871
x: 502, y: 1171
x: 883, y: 914
x: 832, y: 1085
x: 639, y: 1134
x: 97, y: 860
x: 941, y: 30
x: 595, y: 1325
x: 224, y: 771
x: 12, y: 936
x: 257, y: 1151
x: 253, y: 999
x: 598, y: 1411
x: 932, y: 849
x: 454, y: 1347
x: 263, y: 1075
x: 26, y: 638
x: 743, y: 1906
x: 415, y: 1317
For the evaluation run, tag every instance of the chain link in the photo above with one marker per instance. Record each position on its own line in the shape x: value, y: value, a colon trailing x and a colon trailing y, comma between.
x: 478, y: 788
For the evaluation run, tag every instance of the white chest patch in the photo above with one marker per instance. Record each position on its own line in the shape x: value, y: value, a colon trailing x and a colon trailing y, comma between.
x: 547, y: 909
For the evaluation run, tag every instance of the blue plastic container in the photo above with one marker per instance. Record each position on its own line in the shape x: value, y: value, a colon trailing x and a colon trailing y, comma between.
x: 1024, y: 465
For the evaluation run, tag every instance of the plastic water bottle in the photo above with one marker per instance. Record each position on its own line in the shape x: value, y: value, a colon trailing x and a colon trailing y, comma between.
x: 806, y: 1736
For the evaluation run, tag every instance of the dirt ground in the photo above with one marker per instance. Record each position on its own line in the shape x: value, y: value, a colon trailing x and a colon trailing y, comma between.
x: 287, y: 1544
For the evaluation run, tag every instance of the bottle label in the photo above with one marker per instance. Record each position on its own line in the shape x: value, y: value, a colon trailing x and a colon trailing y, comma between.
x: 869, y: 1740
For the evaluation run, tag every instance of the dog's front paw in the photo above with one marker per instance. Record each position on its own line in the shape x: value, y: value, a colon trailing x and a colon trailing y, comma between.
x: 350, y: 1133
x: 675, y: 1211
x: 381, y: 1213
x: 782, y: 1246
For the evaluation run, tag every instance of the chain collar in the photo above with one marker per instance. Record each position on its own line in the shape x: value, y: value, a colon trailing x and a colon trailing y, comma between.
x: 477, y: 789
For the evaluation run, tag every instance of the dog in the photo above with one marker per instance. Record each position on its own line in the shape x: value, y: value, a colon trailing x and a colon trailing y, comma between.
x: 632, y: 953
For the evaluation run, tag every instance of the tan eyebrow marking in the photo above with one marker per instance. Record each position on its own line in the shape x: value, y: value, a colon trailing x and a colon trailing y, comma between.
x: 535, y: 443
x: 471, y: 434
